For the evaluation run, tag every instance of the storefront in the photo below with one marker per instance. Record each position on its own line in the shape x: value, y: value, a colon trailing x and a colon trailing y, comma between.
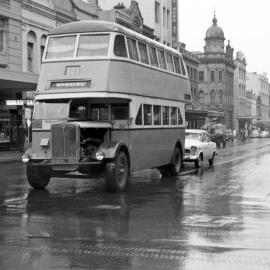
x: 16, y: 94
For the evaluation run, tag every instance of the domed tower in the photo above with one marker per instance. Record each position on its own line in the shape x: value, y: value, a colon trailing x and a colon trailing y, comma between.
x: 216, y: 71
x: 214, y: 38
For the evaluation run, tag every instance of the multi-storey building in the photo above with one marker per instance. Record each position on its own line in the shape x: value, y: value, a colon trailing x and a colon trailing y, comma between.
x: 258, y: 84
x: 216, y: 71
x: 160, y: 15
x: 24, y: 25
x: 242, y: 115
x: 195, y: 113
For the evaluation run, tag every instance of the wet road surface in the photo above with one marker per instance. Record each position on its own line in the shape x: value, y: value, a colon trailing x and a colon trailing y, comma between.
x: 214, y: 218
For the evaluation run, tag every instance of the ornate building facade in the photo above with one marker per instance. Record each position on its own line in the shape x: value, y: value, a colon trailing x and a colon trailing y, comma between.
x: 216, y: 77
x: 24, y: 25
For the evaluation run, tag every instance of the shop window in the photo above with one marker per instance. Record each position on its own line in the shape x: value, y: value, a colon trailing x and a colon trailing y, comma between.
x: 120, y: 46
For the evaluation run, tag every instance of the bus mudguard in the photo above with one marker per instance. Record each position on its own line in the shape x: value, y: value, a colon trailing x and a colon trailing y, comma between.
x: 110, y: 149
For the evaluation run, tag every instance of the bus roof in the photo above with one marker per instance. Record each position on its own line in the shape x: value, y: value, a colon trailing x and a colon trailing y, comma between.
x: 88, y: 26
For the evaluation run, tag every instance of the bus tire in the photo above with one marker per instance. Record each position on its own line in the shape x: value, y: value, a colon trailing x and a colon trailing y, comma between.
x: 117, y: 173
x: 38, y: 176
x: 177, y: 161
x: 175, y: 167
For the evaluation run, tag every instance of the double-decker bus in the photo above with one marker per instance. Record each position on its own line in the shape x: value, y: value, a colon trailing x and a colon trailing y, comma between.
x: 108, y: 100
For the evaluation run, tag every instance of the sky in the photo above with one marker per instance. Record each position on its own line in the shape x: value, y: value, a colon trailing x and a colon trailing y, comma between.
x: 245, y: 23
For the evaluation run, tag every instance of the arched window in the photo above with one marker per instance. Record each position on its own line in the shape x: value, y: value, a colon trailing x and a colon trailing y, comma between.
x: 31, y: 51
x: 212, y: 96
x: 220, y: 96
x: 42, y: 46
x: 201, y: 97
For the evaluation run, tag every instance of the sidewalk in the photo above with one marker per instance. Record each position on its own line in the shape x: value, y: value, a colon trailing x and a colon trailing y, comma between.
x: 10, y: 156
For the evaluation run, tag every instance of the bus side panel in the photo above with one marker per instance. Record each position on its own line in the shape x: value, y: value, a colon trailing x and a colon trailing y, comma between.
x: 136, y: 79
x: 150, y: 148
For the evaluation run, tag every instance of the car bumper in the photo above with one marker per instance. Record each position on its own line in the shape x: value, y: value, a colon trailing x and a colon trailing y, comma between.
x: 190, y: 157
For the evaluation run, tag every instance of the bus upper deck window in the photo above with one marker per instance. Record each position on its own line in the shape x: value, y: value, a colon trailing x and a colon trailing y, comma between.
x: 93, y: 45
x: 143, y: 53
x: 169, y: 62
x: 183, y: 66
x: 132, y: 48
x: 177, y: 64
x: 162, y: 61
x: 153, y: 56
x: 120, y: 46
x: 61, y: 47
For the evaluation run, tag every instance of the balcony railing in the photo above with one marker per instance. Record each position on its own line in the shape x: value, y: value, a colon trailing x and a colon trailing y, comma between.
x: 5, y: 3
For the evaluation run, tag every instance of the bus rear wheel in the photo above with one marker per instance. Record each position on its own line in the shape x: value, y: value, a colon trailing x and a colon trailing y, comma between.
x: 117, y: 173
x: 175, y: 167
x: 38, y: 177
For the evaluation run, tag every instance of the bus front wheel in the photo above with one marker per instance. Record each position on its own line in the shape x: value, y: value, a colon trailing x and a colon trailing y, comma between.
x: 117, y: 173
x: 38, y: 177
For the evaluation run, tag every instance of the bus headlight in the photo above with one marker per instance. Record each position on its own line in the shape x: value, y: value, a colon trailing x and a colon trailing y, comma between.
x: 25, y: 158
x: 100, y: 155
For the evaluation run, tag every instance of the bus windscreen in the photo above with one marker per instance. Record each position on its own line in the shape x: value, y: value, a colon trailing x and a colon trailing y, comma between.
x: 51, y: 109
x: 61, y: 47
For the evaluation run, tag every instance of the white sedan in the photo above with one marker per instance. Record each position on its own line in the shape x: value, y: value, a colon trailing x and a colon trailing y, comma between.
x: 199, y: 147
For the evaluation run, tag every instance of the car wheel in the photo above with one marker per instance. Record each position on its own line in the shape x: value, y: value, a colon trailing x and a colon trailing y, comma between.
x: 117, y: 173
x: 211, y: 161
x: 199, y: 162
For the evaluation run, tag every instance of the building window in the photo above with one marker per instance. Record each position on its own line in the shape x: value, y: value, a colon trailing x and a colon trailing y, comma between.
x: 168, y: 19
x: 2, y: 34
x: 42, y: 46
x: 212, y: 76
x: 220, y: 96
x: 164, y: 17
x: 220, y: 77
x: 201, y: 76
x: 31, y: 42
x: 201, y: 97
x: 157, y: 12
x: 212, y: 96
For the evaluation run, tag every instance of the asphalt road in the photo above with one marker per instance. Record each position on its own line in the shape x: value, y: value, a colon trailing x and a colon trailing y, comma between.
x: 212, y: 218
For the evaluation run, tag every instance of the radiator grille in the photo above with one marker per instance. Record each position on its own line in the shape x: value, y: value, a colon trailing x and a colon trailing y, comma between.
x: 65, y: 143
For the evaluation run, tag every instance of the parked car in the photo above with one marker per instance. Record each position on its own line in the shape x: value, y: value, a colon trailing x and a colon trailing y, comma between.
x: 254, y: 133
x: 217, y: 134
x: 264, y: 134
x: 199, y: 147
x: 229, y: 135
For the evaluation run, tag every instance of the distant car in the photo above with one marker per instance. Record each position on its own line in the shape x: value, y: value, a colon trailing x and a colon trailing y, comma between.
x: 217, y: 134
x: 199, y: 147
x: 229, y: 135
x: 264, y: 134
x: 254, y: 133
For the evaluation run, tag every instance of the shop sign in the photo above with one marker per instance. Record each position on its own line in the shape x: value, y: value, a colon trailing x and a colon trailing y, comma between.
x: 174, y: 24
x: 19, y: 102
